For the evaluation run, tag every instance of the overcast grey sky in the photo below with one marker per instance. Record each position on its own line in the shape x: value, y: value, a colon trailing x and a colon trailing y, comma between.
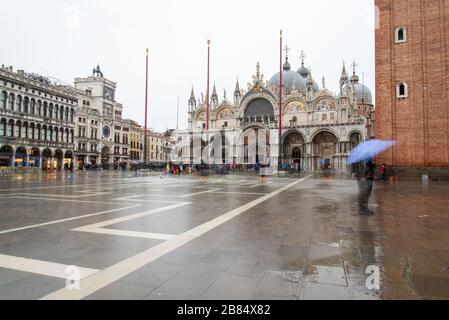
x: 65, y: 39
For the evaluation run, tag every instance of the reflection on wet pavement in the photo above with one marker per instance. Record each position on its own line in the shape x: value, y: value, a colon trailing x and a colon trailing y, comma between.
x: 308, y: 242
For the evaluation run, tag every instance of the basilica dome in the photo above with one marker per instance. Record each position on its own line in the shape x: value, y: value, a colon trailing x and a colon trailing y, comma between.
x: 291, y: 79
x: 363, y: 93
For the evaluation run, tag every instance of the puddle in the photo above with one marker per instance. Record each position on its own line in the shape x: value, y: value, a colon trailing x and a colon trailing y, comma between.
x: 326, y: 275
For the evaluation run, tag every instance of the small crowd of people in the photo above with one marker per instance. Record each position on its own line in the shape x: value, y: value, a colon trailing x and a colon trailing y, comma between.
x: 175, y: 169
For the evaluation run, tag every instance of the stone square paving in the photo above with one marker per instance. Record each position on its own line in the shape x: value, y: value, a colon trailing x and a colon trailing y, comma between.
x: 221, y: 237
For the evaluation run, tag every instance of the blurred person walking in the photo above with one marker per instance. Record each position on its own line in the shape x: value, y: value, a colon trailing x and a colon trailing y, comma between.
x: 366, y: 183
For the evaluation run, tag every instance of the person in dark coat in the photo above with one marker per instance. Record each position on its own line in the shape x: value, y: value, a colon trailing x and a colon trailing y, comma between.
x: 366, y: 184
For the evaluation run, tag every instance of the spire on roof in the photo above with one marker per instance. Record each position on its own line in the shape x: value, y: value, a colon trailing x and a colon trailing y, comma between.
x: 344, y: 72
x: 214, y: 92
x: 303, y: 71
x: 237, y: 87
x: 303, y: 57
x: 354, y: 66
x: 309, y: 78
x: 355, y: 78
x: 287, y: 66
x: 97, y: 71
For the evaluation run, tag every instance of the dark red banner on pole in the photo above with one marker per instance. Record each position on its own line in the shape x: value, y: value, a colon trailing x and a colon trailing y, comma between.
x: 280, y: 104
x: 280, y: 87
x: 208, y: 85
x: 146, y: 109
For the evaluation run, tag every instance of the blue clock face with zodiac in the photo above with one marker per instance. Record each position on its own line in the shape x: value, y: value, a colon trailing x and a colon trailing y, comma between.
x: 106, y: 132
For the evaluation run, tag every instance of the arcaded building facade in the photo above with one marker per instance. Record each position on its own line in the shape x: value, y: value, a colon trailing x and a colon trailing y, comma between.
x: 53, y: 126
x: 37, y: 121
x: 412, y: 82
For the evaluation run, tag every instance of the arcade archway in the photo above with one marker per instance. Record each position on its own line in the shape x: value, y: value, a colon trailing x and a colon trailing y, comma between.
x: 324, y: 150
x: 68, y: 160
x: 255, y: 146
x: 6, y: 155
x: 34, y: 158
x: 105, y: 157
x: 294, y: 150
x: 59, y: 157
x: 196, y: 150
x: 21, y: 157
x: 47, y: 159
x: 354, y: 140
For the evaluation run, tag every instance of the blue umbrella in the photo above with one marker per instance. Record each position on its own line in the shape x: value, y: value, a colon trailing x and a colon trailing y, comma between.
x: 369, y: 149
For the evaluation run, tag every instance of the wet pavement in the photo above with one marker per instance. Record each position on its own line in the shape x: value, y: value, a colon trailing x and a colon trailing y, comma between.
x: 221, y: 237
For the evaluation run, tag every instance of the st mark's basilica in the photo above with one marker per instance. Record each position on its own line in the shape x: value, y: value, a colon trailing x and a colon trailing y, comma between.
x: 320, y: 128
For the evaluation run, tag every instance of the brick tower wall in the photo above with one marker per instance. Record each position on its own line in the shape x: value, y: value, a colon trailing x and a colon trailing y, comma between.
x: 420, y: 123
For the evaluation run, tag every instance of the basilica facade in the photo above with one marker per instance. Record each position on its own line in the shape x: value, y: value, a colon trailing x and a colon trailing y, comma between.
x: 319, y: 127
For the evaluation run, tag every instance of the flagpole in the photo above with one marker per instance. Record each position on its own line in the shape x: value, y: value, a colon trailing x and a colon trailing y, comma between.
x: 207, y: 101
x: 280, y: 105
x: 145, y: 156
x: 177, y: 115
x: 208, y: 84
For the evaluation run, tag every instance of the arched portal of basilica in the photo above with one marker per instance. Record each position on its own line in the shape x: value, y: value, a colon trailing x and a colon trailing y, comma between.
x: 324, y: 151
x: 294, y: 150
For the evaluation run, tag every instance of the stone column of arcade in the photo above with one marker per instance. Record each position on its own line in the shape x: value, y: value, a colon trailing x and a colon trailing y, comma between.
x: 309, y: 157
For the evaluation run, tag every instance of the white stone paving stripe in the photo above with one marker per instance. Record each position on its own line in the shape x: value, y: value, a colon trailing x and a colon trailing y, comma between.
x: 132, y: 234
x: 45, y: 268
x: 63, y: 196
x: 114, y: 273
x: 57, y: 187
x: 133, y: 199
x: 241, y: 193
x: 200, y: 193
x: 106, y: 223
x: 66, y: 220
x: 164, y: 181
x: 64, y: 200
x: 6, y: 196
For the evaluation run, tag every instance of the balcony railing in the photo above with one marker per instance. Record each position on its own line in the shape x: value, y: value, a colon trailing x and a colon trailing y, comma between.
x: 37, y: 143
x: 36, y: 118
